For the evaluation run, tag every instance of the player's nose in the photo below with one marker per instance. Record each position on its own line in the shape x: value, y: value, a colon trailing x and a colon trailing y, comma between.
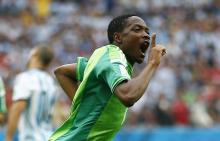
x: 146, y: 36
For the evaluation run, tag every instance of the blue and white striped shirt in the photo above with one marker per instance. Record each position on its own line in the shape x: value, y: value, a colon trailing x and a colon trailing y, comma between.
x: 38, y: 88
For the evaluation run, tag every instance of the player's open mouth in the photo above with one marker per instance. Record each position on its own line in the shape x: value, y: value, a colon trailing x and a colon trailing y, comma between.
x: 144, y: 47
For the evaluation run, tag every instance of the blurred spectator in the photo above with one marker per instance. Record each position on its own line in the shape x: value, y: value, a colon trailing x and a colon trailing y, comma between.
x: 199, y: 114
x: 180, y: 110
x: 163, y: 111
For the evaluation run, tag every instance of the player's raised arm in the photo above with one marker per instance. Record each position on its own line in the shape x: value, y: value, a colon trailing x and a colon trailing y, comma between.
x: 66, y: 76
x: 131, y: 91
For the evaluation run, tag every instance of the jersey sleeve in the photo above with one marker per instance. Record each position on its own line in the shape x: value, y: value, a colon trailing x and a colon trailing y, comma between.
x: 2, y: 97
x: 81, y: 65
x: 21, y: 89
x: 114, y: 73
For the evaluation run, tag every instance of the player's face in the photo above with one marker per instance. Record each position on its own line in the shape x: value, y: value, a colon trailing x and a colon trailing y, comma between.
x: 135, y: 39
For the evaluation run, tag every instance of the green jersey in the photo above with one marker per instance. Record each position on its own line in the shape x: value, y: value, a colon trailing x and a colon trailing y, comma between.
x: 96, y: 113
x: 2, y: 97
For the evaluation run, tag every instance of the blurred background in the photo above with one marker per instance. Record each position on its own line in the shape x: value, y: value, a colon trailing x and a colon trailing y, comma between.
x: 182, y: 102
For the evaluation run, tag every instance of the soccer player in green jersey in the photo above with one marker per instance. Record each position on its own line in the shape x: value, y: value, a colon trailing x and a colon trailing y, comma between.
x: 106, y: 89
x: 2, y: 101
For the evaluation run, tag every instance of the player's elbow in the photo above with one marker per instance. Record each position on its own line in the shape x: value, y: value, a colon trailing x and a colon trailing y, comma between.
x: 125, y: 95
x: 57, y: 71
x: 128, y: 101
x: 68, y: 70
x: 128, y: 104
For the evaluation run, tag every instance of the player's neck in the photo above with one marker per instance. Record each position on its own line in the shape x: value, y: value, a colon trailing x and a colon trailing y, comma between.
x: 36, y: 65
x: 131, y: 62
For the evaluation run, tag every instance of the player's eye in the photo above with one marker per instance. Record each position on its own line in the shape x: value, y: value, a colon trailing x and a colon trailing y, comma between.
x: 137, y: 29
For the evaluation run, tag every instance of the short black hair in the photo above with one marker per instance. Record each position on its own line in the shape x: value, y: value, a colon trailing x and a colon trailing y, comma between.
x: 46, y: 54
x: 117, y: 25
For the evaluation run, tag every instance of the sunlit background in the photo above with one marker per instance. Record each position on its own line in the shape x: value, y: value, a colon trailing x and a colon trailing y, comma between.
x: 182, y: 102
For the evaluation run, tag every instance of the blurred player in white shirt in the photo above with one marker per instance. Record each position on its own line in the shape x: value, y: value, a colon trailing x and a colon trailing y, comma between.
x: 33, y: 98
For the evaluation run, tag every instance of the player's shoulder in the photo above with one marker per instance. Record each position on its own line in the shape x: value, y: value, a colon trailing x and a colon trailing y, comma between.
x: 22, y: 75
x: 107, y: 55
x: 99, y: 51
x: 32, y: 73
x: 50, y: 77
x: 82, y: 60
x: 28, y: 73
x: 110, y: 50
x: 45, y: 75
x: 116, y: 55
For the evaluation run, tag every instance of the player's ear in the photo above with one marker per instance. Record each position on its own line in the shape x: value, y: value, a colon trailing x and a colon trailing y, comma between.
x: 117, y: 38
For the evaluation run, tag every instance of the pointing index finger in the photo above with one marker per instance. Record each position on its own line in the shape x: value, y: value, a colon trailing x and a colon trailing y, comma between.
x: 153, y: 40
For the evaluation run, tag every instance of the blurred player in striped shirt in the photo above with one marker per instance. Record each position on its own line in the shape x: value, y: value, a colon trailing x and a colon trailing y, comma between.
x: 33, y: 98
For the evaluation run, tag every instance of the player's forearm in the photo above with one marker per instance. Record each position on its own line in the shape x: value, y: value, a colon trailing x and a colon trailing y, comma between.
x: 142, y: 80
x: 68, y: 84
x: 2, y: 118
x: 12, y: 123
x: 131, y: 91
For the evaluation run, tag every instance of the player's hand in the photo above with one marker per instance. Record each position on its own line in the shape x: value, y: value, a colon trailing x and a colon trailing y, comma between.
x: 156, y: 52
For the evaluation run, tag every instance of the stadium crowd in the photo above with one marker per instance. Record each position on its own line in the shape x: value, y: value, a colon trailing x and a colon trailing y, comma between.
x: 185, y: 90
